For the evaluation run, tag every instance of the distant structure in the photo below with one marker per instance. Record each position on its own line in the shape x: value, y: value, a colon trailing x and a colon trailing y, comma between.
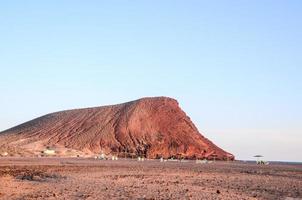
x: 214, y: 156
x: 140, y: 159
x: 114, y: 158
x: 204, y: 161
x: 4, y: 154
x: 49, y: 152
x: 102, y: 156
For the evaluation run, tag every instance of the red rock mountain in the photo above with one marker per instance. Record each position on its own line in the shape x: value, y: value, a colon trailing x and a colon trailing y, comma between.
x: 154, y: 127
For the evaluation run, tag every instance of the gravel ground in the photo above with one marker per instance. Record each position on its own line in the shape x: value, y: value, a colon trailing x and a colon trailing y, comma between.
x: 78, y: 178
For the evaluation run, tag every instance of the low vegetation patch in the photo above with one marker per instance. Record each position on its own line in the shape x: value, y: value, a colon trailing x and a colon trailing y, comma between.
x: 29, y: 174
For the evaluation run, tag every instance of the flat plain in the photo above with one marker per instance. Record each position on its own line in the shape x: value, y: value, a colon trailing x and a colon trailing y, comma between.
x: 87, y: 178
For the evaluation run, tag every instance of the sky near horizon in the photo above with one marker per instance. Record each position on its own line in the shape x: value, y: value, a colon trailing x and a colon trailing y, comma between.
x: 234, y: 66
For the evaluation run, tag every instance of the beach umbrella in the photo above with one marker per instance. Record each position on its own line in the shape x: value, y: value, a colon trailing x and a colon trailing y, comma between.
x: 258, y: 157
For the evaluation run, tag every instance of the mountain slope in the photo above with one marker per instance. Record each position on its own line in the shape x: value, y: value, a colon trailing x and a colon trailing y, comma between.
x: 154, y: 127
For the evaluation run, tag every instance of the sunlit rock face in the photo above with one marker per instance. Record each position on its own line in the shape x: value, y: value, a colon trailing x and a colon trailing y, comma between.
x: 152, y: 127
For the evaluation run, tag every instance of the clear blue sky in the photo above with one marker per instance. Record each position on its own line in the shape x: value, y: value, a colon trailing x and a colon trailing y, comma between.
x: 234, y: 66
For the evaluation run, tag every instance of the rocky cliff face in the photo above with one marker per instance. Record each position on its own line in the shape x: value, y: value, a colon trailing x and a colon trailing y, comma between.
x: 152, y: 127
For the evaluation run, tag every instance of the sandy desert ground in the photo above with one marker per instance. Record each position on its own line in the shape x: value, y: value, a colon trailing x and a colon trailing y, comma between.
x: 78, y: 178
